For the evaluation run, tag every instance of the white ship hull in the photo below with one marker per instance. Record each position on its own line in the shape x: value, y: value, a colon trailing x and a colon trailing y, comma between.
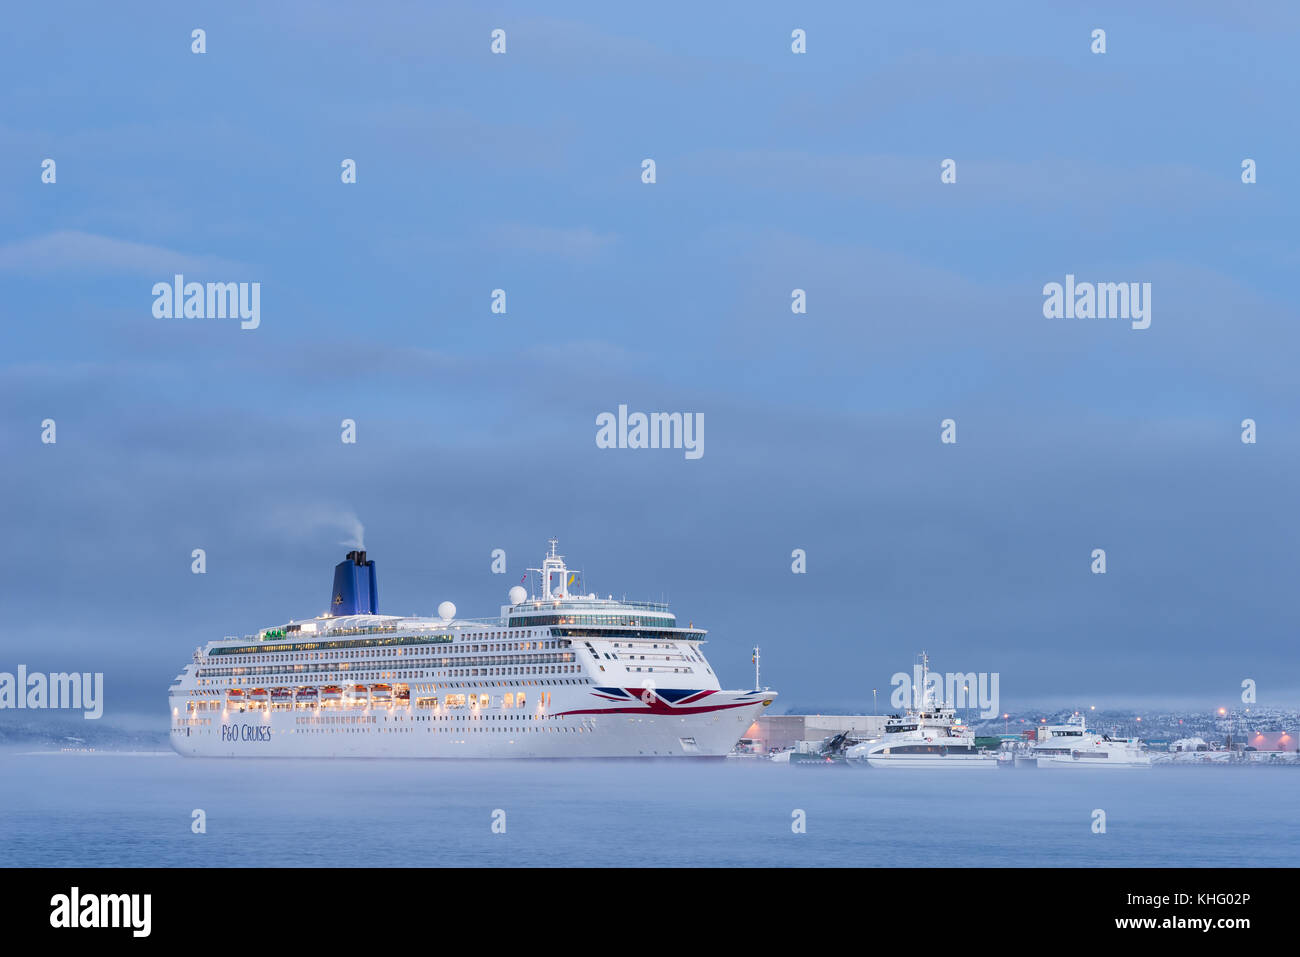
x: 1066, y: 761
x: 412, y: 733
x: 938, y: 761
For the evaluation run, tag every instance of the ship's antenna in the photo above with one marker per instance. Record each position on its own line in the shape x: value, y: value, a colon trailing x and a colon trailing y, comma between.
x: 757, y: 685
x: 918, y: 694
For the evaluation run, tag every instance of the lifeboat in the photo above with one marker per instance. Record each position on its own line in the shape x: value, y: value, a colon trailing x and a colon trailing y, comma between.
x: 381, y: 692
x: 236, y: 694
x: 402, y: 694
x: 331, y: 693
x: 258, y: 694
x: 306, y: 693
x: 279, y: 693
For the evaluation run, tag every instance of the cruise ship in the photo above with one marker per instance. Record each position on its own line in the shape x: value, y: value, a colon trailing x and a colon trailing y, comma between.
x: 554, y: 675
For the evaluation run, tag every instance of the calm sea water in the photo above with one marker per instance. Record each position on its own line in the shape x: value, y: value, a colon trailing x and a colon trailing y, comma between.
x: 119, y: 809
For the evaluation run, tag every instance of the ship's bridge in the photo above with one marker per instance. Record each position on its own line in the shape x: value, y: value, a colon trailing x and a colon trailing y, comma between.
x: 554, y: 605
x: 595, y: 612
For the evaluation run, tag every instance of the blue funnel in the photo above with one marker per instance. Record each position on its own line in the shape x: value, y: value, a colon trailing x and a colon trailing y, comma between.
x: 356, y: 592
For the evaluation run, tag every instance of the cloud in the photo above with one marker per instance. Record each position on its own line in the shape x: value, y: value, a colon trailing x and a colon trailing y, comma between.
x: 72, y: 251
x: 579, y: 244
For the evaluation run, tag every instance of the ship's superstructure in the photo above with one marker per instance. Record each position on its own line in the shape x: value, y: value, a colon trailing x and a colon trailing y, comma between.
x: 555, y: 674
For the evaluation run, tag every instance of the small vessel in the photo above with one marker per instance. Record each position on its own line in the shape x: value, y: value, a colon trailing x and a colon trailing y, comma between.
x: 929, y: 735
x: 1073, y: 745
x: 830, y: 751
x: 381, y: 694
x: 279, y: 694
x: 306, y: 694
x: 746, y: 749
x: 331, y: 693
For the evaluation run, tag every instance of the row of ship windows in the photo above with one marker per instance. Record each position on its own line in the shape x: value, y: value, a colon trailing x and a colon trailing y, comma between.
x: 521, y: 664
x: 274, y: 654
x: 497, y: 672
x: 617, y: 656
x: 465, y: 729
x: 316, y: 664
x: 625, y: 635
x: 365, y: 719
x: 328, y: 640
x: 621, y: 620
x: 511, y: 699
x: 453, y: 673
x: 285, y: 706
x: 397, y: 652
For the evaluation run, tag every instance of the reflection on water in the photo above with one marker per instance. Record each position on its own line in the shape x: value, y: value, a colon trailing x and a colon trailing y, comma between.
x: 106, y: 809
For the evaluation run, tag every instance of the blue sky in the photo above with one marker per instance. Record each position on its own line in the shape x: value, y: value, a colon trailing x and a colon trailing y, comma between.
x: 775, y: 171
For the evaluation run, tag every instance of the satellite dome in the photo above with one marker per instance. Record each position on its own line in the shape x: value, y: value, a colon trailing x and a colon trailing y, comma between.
x: 518, y: 594
x: 446, y: 611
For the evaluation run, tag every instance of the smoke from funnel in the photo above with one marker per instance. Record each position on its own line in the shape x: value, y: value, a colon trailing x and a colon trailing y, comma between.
x: 357, y: 536
x: 305, y: 521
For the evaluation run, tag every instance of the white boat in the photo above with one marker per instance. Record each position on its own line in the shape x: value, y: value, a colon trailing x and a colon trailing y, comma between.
x: 554, y: 675
x: 1072, y: 745
x: 928, y: 735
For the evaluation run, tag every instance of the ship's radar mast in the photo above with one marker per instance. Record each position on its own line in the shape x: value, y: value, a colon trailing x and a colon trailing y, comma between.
x: 553, y: 564
x: 923, y: 695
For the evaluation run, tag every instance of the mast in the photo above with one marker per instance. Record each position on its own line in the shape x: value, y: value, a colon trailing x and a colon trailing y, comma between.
x: 919, y: 695
x: 756, y: 657
x: 553, y: 564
